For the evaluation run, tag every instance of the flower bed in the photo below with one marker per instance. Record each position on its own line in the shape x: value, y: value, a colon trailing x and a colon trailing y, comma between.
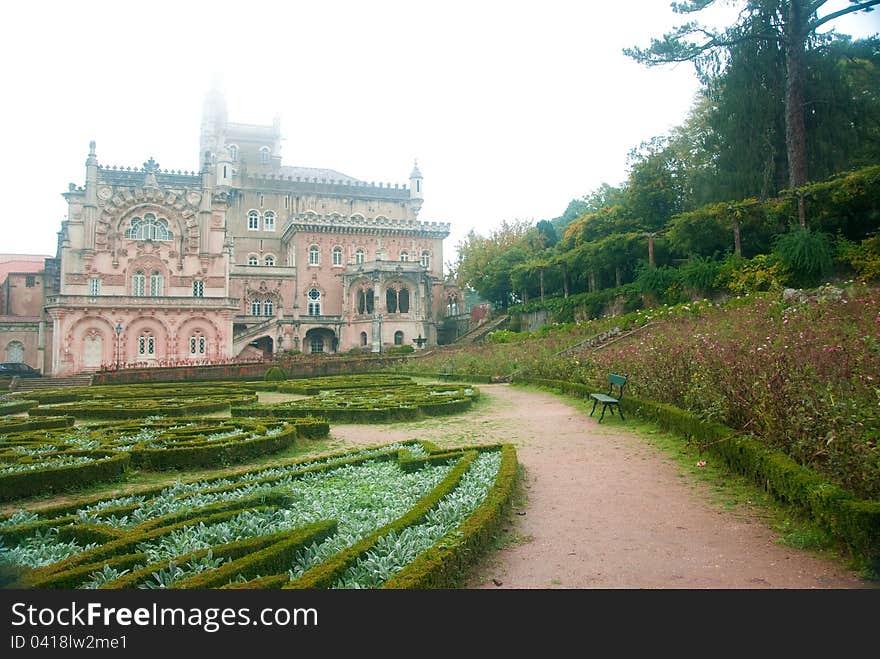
x: 300, y: 522
x: 371, y: 404
x: 41, y: 462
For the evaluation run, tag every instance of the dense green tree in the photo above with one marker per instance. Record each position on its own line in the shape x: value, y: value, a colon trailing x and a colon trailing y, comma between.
x: 792, y: 24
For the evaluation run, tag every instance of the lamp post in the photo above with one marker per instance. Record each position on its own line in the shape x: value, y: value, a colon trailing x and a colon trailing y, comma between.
x: 378, y: 317
x: 118, y: 329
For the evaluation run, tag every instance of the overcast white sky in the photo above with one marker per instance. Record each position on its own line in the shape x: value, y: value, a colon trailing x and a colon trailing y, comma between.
x: 512, y: 108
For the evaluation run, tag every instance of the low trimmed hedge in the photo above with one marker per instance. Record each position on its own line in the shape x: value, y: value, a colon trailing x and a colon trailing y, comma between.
x: 16, y: 406
x: 323, y: 575
x: 19, y: 484
x: 853, y: 521
x: 15, y: 424
x: 446, y: 563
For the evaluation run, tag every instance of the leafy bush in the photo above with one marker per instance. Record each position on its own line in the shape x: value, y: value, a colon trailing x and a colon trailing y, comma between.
x: 275, y: 374
x: 700, y: 274
x: 807, y: 254
x: 863, y: 258
x: 742, y: 276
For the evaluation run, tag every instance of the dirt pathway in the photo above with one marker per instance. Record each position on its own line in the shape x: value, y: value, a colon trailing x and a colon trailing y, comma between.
x: 606, y: 510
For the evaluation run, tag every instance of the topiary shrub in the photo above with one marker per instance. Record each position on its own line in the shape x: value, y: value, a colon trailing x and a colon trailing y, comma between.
x: 275, y: 374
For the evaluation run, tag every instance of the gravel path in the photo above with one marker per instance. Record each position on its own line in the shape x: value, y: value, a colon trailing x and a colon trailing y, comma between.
x: 606, y: 510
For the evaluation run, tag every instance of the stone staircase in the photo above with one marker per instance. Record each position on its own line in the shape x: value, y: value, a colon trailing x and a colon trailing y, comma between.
x: 32, y: 384
x: 600, y: 340
x: 241, y: 339
x: 480, y: 331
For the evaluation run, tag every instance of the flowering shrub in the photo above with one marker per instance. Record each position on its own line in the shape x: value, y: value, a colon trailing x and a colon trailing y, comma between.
x: 803, y: 376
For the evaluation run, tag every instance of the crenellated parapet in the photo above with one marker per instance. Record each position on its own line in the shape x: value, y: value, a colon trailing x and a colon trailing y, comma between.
x: 136, y: 176
x: 360, y: 224
x: 289, y: 184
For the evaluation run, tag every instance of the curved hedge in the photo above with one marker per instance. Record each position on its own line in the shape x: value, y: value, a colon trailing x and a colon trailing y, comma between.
x: 402, y: 402
x: 111, y: 540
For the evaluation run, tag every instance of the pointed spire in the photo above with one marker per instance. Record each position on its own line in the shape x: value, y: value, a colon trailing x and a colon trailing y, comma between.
x: 415, y: 171
x: 92, y: 159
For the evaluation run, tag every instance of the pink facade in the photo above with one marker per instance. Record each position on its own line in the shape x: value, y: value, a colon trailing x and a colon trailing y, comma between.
x: 245, y: 257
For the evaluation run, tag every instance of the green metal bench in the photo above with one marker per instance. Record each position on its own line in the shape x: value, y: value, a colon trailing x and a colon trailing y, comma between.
x: 446, y: 373
x: 611, y: 399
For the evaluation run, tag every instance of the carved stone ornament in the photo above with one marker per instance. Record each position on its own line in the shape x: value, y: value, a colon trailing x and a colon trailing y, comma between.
x: 104, y: 193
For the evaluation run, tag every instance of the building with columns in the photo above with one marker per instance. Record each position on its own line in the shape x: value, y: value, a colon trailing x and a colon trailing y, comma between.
x: 245, y: 257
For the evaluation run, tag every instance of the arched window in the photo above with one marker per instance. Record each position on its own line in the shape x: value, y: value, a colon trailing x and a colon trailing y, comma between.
x: 398, y: 338
x: 337, y: 255
x: 359, y: 255
x: 255, y: 308
x: 269, y: 261
x: 253, y: 220
x: 314, y: 302
x: 314, y: 255
x: 156, y: 284
x: 363, y: 338
x: 426, y: 260
x: 139, y: 284
x: 197, y: 344
x: 365, y: 301
x: 452, y: 306
x: 146, y: 344
x: 269, y: 221
x: 253, y: 259
x: 268, y: 308
x: 264, y: 155
x: 391, y: 300
x: 404, y: 256
x: 403, y: 300
x: 148, y: 228
x: 233, y: 151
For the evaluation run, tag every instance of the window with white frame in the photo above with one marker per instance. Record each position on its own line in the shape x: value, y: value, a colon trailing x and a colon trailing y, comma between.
x: 253, y: 220
x: 359, y: 255
x: 148, y: 227
x: 268, y: 307
x: 269, y: 261
x: 314, y: 302
x: 198, y: 288
x: 256, y: 307
x: 426, y: 260
x: 317, y: 344
x: 269, y: 221
x: 139, y: 284
x: 156, y: 284
x: 253, y: 259
x: 314, y: 255
x: 94, y: 286
x: 404, y: 256
x: 146, y: 344
x: 337, y: 255
x: 197, y: 345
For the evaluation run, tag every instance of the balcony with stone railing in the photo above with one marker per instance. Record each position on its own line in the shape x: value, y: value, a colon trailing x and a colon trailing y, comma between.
x: 141, y: 302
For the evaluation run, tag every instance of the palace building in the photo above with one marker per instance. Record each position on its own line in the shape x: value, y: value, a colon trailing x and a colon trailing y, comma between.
x: 246, y: 257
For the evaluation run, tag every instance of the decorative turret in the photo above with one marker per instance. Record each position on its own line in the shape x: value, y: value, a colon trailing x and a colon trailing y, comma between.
x: 213, y: 132
x: 416, y: 188
x: 224, y: 167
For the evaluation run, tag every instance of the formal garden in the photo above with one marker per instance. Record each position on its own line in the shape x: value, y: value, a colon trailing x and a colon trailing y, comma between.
x: 403, y: 514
